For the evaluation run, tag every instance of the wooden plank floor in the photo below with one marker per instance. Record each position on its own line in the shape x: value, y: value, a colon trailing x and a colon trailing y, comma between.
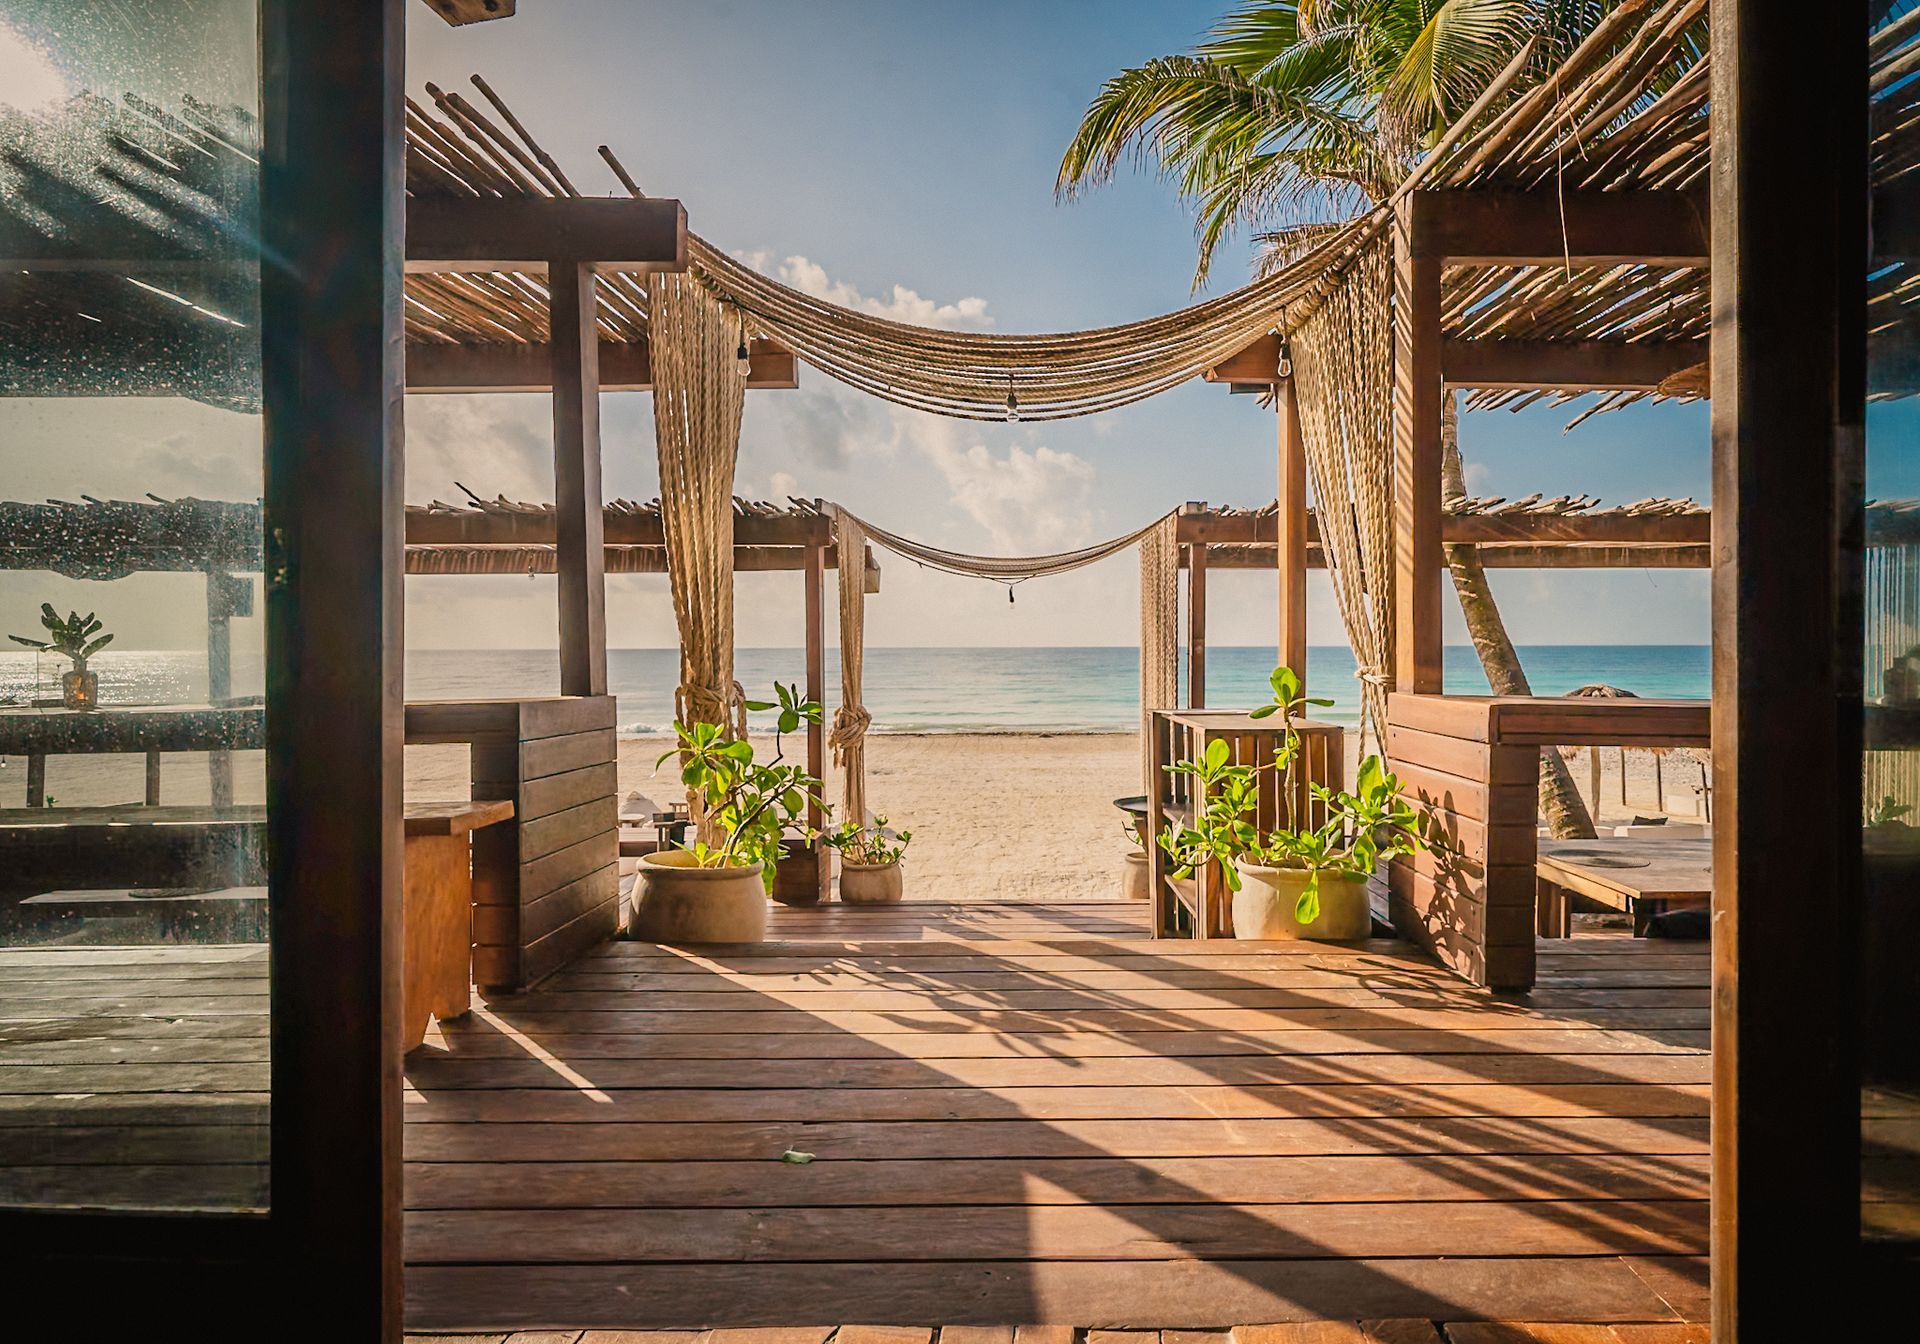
x: 1015, y: 1115
x: 1019, y: 1114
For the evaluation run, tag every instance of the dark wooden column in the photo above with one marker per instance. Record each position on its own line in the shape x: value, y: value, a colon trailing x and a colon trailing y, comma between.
x: 1290, y: 531
x: 1416, y: 454
x: 1789, y: 256
x: 332, y: 215
x: 579, y: 551
x: 1197, y: 624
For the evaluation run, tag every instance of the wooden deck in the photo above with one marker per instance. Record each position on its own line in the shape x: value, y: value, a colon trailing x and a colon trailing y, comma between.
x: 1034, y: 1115
x: 1015, y: 1114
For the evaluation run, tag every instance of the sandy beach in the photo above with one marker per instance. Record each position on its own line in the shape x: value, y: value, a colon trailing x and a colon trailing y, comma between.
x: 1005, y: 816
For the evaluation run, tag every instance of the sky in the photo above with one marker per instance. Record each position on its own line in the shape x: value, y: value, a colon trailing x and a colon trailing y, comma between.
x: 898, y: 158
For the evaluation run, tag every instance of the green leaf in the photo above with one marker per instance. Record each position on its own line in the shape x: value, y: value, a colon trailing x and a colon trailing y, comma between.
x: 758, y: 706
x: 1264, y: 712
x: 1217, y: 754
x: 789, y: 720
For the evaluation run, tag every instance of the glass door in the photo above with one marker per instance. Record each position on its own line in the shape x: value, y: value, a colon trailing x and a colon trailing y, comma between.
x: 134, y: 950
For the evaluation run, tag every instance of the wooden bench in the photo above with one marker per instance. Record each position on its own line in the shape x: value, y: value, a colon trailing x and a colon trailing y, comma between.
x: 1643, y: 876
x: 438, y: 965
x: 50, y: 848
x: 174, y: 914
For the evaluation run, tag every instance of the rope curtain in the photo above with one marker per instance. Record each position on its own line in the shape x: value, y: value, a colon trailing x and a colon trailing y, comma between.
x: 1893, y: 630
x: 698, y: 395
x: 848, y: 736
x: 1343, y: 376
x: 1159, y: 630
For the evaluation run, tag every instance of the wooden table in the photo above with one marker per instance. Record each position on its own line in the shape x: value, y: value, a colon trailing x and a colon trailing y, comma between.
x: 438, y: 974
x: 145, y: 729
x: 1642, y: 875
x: 1184, y: 735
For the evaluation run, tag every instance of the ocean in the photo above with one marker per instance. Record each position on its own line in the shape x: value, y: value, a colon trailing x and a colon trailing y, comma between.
x: 1071, y: 690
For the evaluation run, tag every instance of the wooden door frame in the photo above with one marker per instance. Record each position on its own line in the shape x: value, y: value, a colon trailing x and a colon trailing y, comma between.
x: 1789, y: 244
x: 327, y: 1252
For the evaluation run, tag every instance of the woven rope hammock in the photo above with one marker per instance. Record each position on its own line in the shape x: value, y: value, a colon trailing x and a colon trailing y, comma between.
x: 848, y: 736
x: 1343, y: 377
x: 697, y: 399
x: 1000, y: 568
x: 1159, y: 630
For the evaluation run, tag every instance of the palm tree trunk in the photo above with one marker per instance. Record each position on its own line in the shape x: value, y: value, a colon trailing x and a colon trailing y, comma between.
x: 1560, y: 802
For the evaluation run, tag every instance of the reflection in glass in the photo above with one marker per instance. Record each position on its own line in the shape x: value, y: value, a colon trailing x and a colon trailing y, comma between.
x: 1889, y: 981
x: 133, y: 952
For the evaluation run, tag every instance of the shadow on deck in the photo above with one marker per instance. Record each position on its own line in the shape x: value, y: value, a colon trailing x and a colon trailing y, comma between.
x: 1022, y: 1114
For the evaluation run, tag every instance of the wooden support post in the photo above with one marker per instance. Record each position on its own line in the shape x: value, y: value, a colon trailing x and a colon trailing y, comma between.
x: 1790, y: 254
x: 1290, y: 551
x: 816, y: 612
x: 1417, y: 391
x: 578, y: 520
x: 153, y: 779
x: 220, y: 609
x: 36, y: 780
x: 1197, y: 624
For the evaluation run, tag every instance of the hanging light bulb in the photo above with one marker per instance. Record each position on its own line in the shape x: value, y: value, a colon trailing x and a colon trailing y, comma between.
x: 742, y: 360
x: 1013, y: 410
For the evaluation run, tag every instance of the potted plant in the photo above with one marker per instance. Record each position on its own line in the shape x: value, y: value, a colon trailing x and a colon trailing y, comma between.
x: 74, y: 637
x: 870, y: 872
x: 1296, y: 881
x: 715, y: 890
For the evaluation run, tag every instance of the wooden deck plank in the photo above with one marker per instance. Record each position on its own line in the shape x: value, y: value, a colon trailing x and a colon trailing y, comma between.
x: 972, y: 1140
x: 1083, y: 1180
x: 1176, y: 1294
x: 433, y: 1074
x: 1053, y: 1232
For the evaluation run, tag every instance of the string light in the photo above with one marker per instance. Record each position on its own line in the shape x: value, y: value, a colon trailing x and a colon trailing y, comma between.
x: 1013, y: 409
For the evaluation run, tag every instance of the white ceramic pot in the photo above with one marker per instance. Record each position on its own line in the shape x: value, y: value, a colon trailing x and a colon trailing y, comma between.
x: 1136, y: 882
x: 1263, y: 908
x: 676, y: 901
x: 871, y: 883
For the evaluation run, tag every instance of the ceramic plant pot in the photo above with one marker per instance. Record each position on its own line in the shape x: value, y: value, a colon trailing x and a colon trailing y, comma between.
x: 871, y: 883
x: 677, y: 901
x: 1136, y: 882
x: 1263, y: 907
x: 796, y: 878
x: 80, y: 689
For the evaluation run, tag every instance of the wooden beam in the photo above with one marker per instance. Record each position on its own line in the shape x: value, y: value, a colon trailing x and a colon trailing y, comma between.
x: 618, y: 528
x: 1258, y: 363
x: 1547, y: 227
x: 1549, y: 555
x: 1790, y: 229
x: 1534, y: 529
x: 1290, y: 532
x: 1417, y: 391
x: 1570, y: 366
x: 523, y: 560
x: 524, y: 233
x: 1197, y: 625
x: 579, y: 515
x: 625, y: 366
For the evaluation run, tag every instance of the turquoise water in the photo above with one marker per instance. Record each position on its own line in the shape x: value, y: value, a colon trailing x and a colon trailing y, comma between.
x: 1028, y: 690
x: 908, y: 690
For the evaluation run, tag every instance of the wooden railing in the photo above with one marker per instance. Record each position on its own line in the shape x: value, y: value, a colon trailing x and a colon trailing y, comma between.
x: 1472, y: 765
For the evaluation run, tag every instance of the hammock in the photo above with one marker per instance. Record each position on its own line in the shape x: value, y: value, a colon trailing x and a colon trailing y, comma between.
x: 1009, y: 569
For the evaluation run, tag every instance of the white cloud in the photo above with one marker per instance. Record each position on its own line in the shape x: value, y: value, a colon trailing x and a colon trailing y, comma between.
x: 1029, y: 500
x: 494, y: 445
x: 901, y: 305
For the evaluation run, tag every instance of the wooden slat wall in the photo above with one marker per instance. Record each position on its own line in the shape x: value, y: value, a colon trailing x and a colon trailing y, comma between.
x: 1469, y: 901
x: 1473, y: 764
x: 546, y: 884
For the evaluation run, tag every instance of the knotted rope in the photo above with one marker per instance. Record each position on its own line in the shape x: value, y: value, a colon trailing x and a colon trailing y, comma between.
x: 1159, y: 630
x: 1343, y: 377
x: 848, y: 736
x: 698, y: 395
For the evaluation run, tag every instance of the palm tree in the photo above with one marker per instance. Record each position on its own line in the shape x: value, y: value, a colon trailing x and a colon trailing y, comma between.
x: 1296, y: 113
